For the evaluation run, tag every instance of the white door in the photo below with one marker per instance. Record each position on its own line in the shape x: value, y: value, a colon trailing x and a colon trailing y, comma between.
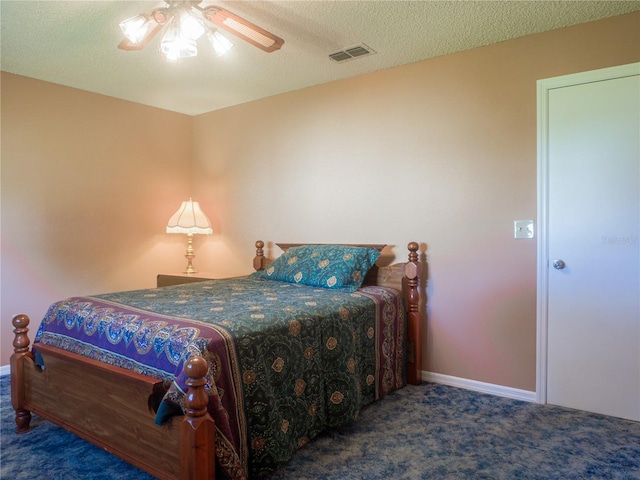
x: 591, y: 260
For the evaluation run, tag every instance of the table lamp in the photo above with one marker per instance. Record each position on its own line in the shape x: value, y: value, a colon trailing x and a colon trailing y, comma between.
x: 189, y: 219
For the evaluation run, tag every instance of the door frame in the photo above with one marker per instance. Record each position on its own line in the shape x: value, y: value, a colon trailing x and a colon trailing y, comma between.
x: 543, y: 88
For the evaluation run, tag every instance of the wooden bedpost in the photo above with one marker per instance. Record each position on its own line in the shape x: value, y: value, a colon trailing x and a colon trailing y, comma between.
x: 259, y: 260
x: 414, y: 323
x: 197, y: 430
x: 20, y: 351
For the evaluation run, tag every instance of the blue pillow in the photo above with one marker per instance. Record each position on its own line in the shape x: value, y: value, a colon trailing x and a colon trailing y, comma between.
x: 328, y: 266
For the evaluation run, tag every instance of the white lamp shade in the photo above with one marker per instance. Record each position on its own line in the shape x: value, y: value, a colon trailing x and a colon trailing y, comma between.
x: 175, y: 44
x: 137, y: 28
x: 220, y: 44
x: 190, y: 25
x: 189, y: 219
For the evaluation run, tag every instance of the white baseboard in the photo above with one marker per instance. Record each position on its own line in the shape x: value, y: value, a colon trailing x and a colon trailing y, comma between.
x: 5, y: 370
x: 481, y: 387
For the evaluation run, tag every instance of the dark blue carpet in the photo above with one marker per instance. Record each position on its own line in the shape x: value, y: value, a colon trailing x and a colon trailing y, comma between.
x: 426, y: 432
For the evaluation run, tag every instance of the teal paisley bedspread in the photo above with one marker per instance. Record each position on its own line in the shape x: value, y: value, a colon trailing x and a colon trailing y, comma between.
x: 285, y: 360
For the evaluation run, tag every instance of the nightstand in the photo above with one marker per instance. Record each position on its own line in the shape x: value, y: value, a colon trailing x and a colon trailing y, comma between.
x: 166, y: 280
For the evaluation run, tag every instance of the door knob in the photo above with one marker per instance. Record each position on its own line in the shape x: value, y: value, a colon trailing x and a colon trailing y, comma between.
x: 559, y: 264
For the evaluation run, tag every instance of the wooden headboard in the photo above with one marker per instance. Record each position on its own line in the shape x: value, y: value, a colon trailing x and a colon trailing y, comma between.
x: 402, y: 277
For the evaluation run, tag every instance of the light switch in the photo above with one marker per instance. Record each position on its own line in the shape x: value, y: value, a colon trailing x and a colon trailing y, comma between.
x: 523, y: 229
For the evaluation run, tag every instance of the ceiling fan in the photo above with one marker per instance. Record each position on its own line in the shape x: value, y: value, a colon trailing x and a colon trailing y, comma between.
x: 187, y: 21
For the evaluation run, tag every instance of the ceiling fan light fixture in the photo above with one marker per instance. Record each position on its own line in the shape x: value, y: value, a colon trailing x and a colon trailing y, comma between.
x: 220, y: 43
x: 185, y: 22
x: 137, y: 28
x: 176, y: 44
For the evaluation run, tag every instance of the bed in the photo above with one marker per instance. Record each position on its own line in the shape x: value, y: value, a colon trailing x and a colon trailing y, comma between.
x: 224, y: 378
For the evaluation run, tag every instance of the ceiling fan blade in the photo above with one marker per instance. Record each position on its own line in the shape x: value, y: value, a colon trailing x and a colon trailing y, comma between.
x: 128, y: 45
x: 243, y: 29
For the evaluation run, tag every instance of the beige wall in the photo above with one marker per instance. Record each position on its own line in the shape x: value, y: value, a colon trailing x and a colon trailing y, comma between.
x: 88, y: 184
x: 442, y: 152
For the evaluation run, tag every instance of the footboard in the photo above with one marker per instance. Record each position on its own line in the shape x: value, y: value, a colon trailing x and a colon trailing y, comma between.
x: 110, y: 407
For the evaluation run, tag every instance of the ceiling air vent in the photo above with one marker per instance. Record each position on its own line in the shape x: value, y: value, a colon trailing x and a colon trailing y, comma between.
x: 352, y: 52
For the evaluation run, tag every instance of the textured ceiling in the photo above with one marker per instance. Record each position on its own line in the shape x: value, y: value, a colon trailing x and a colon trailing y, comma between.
x: 74, y: 43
